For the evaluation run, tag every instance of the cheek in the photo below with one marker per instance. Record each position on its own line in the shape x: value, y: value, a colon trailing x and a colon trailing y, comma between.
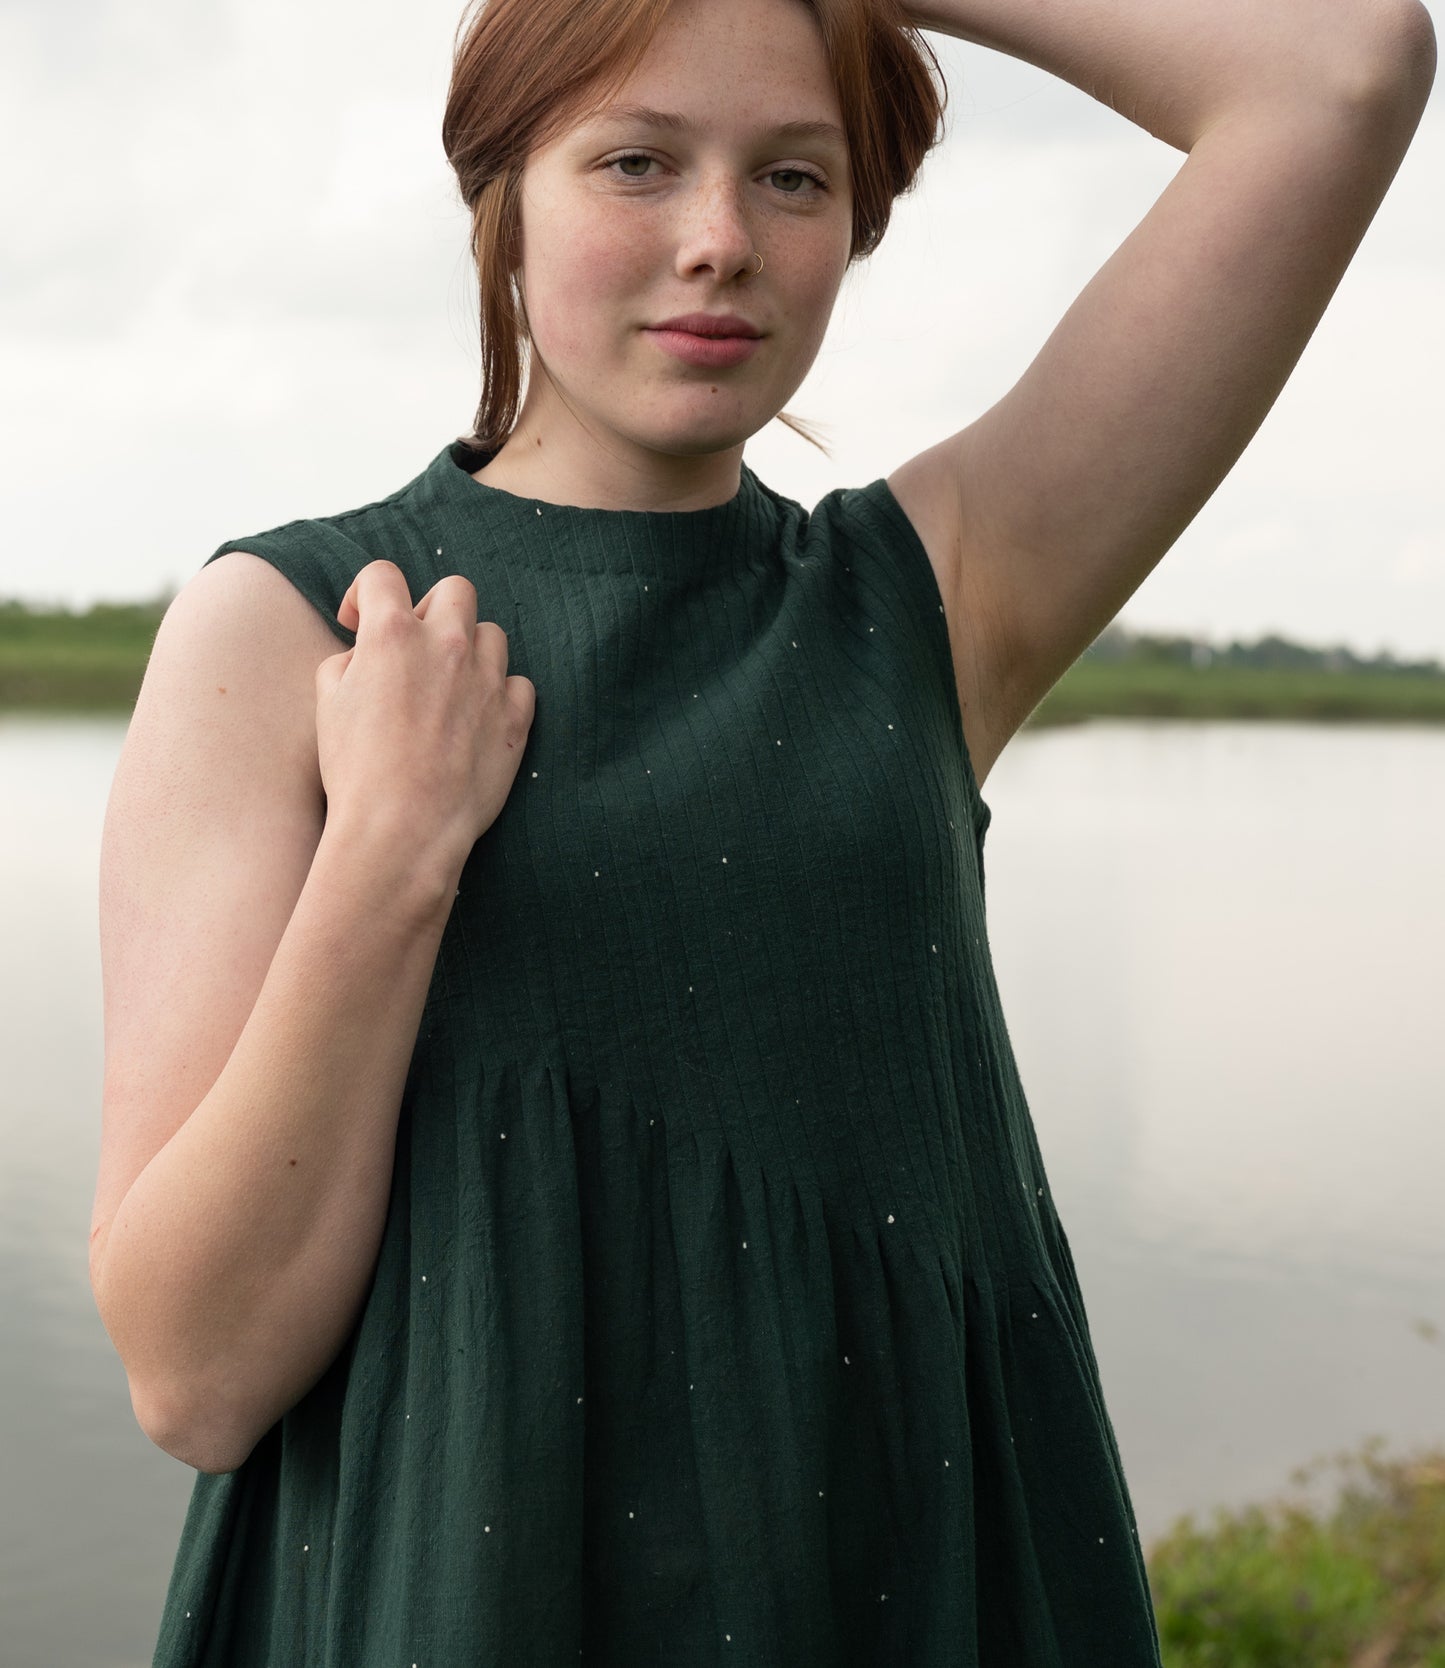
x: 583, y: 286
x: 812, y: 293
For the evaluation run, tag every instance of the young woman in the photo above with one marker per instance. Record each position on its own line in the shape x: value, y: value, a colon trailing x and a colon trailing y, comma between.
x: 566, y: 1185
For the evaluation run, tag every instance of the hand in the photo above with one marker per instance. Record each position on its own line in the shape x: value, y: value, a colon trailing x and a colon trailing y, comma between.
x: 420, y: 731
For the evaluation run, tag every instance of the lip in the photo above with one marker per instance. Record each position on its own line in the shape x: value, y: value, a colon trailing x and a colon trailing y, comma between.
x: 709, y: 324
x: 712, y: 353
x: 711, y: 341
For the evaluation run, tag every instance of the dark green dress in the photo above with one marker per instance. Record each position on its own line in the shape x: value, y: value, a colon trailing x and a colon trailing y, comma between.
x: 722, y: 1318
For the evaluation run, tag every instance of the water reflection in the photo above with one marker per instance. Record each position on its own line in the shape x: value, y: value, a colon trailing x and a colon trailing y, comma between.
x: 92, y: 1510
x: 1219, y: 948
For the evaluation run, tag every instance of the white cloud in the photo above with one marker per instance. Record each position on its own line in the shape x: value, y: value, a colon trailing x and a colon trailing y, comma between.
x: 1420, y: 561
x: 1255, y: 540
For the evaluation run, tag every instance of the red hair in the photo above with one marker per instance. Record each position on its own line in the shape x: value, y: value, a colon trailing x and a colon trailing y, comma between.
x: 522, y: 68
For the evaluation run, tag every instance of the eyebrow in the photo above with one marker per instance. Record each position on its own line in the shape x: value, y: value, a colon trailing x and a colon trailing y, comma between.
x: 674, y: 123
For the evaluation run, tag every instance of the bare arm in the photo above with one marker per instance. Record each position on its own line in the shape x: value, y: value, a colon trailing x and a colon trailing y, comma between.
x: 266, y: 954
x: 1047, y: 512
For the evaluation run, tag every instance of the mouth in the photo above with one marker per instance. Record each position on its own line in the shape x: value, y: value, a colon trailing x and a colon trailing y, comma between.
x: 711, y: 327
x: 714, y: 351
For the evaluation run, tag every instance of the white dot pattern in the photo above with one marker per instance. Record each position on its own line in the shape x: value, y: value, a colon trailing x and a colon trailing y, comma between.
x: 730, y: 1102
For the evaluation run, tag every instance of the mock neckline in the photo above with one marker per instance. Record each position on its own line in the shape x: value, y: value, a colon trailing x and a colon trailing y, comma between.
x: 677, y: 543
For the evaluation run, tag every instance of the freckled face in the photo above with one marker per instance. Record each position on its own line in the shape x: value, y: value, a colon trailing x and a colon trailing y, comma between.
x: 627, y: 223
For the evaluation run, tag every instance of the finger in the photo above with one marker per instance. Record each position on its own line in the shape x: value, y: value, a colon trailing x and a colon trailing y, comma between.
x: 522, y: 693
x: 380, y: 586
x: 453, y: 599
x: 491, y: 645
x: 329, y: 673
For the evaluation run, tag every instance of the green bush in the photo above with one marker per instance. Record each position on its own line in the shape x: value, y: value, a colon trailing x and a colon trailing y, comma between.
x: 1282, y: 1586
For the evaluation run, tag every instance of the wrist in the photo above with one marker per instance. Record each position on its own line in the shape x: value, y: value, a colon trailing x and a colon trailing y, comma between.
x: 380, y: 858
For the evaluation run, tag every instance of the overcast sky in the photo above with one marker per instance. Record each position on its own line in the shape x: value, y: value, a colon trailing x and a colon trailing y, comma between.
x: 234, y: 290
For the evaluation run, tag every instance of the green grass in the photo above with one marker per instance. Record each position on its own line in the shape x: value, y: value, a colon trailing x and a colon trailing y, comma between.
x: 94, y: 662
x: 1357, y: 1584
x: 66, y: 662
x: 1095, y: 689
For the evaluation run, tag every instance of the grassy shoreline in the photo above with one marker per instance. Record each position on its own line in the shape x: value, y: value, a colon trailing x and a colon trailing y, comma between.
x: 1360, y: 1584
x: 75, y: 663
x: 1095, y: 689
x: 93, y: 663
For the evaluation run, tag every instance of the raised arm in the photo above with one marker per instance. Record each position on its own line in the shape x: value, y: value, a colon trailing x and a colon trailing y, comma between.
x: 1046, y: 514
x: 266, y: 953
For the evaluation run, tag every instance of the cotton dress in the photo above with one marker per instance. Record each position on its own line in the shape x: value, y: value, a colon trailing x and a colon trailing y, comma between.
x: 722, y: 1316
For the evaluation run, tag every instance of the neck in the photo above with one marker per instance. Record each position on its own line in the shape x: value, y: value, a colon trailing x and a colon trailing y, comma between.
x: 551, y: 456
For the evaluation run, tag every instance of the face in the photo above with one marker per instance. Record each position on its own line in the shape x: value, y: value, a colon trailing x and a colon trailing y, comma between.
x: 628, y: 222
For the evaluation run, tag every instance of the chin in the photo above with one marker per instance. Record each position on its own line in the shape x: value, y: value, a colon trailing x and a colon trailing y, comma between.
x: 696, y: 434
x: 693, y: 445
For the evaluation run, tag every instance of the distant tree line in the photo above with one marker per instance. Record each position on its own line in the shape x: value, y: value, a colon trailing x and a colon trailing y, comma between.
x: 147, y: 610
x: 1117, y: 645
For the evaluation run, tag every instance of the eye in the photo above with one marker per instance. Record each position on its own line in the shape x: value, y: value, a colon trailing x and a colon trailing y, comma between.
x: 794, y: 175
x: 818, y: 182
x: 631, y: 156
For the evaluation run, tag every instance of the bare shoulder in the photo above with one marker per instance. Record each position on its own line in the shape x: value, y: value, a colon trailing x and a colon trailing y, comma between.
x: 927, y: 488
x: 240, y: 602
x: 234, y: 662
x: 232, y: 671
x: 229, y: 685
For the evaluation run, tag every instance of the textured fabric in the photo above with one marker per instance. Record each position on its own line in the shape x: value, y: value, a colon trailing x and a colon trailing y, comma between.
x: 722, y: 1318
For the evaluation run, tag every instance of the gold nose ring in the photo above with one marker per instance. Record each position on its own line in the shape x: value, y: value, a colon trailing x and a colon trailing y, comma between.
x: 760, y: 265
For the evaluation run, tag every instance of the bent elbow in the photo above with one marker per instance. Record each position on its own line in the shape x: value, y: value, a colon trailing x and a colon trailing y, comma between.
x: 1394, y: 69
x: 173, y: 1427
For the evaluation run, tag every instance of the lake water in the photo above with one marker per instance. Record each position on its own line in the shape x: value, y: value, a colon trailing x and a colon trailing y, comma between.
x: 1221, y: 949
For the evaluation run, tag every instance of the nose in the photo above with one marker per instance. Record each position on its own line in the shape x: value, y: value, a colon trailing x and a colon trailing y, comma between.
x: 714, y: 234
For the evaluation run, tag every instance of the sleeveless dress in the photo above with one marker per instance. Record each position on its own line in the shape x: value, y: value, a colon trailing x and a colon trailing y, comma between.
x: 722, y: 1316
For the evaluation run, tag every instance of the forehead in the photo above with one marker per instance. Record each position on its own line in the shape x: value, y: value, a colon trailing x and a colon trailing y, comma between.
x: 759, y: 64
